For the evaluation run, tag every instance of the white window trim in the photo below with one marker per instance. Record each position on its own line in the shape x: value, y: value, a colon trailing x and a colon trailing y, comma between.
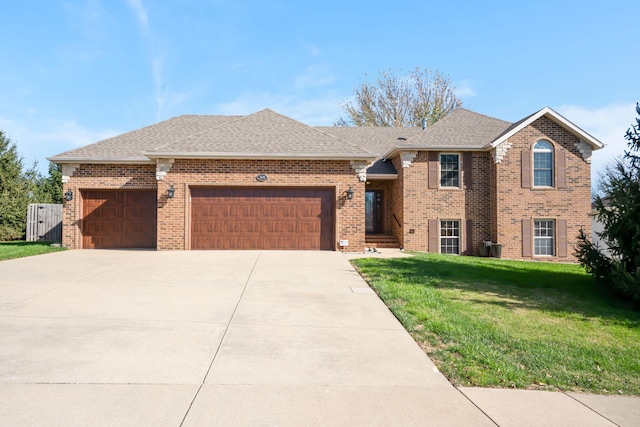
x: 554, y: 238
x: 533, y: 163
x: 459, y: 186
x: 459, y: 236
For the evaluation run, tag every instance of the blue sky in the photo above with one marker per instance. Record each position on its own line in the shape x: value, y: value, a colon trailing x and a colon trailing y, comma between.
x: 75, y: 72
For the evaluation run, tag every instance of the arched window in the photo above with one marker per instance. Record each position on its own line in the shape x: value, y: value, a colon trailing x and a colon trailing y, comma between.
x: 543, y: 164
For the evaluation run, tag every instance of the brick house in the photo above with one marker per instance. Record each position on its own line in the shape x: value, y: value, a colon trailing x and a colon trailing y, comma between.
x: 265, y: 181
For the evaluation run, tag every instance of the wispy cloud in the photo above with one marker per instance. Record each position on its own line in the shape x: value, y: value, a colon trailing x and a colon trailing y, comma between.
x: 140, y: 12
x: 88, y: 17
x: 608, y: 124
x: 314, y: 76
x: 309, y: 99
x: 157, y: 57
x: 465, y: 89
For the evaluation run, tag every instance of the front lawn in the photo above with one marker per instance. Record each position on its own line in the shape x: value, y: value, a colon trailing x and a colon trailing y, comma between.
x: 19, y: 249
x: 497, y: 323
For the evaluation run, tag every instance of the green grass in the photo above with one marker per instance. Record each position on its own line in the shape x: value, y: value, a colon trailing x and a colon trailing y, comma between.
x: 19, y: 249
x: 498, y: 323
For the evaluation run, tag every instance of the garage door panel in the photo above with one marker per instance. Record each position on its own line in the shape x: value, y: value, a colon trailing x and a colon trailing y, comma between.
x: 102, y: 227
x: 280, y: 226
x: 262, y: 218
x: 113, y: 219
x: 217, y: 211
x: 210, y: 210
x: 105, y: 212
x: 243, y: 227
x: 309, y: 212
x: 137, y: 227
x: 313, y: 226
x: 240, y: 210
x: 236, y: 242
x: 136, y: 213
x: 280, y: 211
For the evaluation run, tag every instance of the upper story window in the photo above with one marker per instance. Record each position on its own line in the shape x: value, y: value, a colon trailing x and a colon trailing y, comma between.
x: 450, y: 170
x: 543, y: 164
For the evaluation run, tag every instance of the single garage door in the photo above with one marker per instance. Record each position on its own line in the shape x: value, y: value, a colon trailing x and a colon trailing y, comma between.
x: 262, y: 218
x: 114, y: 219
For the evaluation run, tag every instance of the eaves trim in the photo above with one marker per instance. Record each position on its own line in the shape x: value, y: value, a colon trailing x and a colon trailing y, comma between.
x: 102, y: 160
x: 271, y: 156
x: 382, y: 176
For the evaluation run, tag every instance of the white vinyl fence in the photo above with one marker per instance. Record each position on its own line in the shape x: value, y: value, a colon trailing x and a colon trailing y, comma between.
x: 44, y: 223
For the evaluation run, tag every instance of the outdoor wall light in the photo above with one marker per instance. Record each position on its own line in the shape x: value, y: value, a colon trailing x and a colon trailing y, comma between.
x: 171, y: 192
x: 68, y: 195
x: 350, y: 193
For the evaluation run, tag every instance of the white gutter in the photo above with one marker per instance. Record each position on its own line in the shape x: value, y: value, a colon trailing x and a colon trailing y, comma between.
x: 432, y: 147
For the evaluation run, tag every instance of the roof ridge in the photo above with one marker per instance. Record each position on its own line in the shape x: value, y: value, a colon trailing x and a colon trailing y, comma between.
x: 235, y: 119
x: 266, y: 130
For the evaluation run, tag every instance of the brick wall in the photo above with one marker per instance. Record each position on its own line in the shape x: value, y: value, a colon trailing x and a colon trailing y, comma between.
x: 514, y: 203
x: 174, y: 216
x: 131, y: 177
x: 496, y: 203
x: 421, y: 203
x: 396, y: 199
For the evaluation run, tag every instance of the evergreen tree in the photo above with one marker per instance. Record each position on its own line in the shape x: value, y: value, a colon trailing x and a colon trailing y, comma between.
x: 618, y: 209
x: 13, y: 191
x: 19, y: 188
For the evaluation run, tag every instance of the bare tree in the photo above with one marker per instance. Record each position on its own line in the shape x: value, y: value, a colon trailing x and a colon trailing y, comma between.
x: 401, y: 101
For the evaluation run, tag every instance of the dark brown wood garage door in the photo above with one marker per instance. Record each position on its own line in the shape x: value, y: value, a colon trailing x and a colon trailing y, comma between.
x: 262, y: 218
x: 118, y: 219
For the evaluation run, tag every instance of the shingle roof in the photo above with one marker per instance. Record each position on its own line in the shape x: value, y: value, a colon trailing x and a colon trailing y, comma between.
x: 129, y: 146
x: 462, y: 128
x: 376, y: 139
x: 269, y: 134
x: 265, y: 133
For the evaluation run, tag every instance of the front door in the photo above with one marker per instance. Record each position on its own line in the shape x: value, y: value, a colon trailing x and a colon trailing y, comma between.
x: 373, y: 211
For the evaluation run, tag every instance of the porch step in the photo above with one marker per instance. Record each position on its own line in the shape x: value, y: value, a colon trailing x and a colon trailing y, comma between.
x: 381, y: 241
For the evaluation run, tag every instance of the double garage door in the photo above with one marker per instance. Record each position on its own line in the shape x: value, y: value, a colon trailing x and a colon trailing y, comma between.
x: 221, y: 218
x: 262, y: 218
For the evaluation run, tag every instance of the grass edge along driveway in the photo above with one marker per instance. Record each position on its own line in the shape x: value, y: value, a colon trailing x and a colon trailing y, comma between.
x: 20, y: 249
x: 489, y: 322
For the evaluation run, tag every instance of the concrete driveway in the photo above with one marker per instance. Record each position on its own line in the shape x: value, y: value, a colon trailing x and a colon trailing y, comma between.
x: 118, y: 338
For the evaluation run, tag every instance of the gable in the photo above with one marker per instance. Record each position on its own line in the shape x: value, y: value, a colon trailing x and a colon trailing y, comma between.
x: 555, y: 117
